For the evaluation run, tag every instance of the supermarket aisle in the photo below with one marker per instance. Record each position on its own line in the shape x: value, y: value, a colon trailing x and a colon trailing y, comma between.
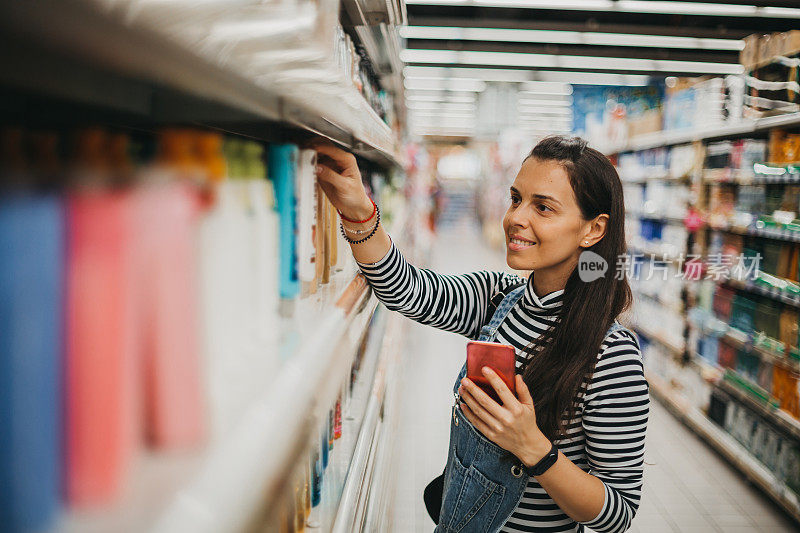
x: 687, y: 487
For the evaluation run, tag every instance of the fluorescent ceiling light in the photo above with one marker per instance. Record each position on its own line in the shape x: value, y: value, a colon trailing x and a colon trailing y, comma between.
x: 545, y: 103
x: 443, y: 118
x: 511, y: 75
x: 494, y: 74
x: 442, y: 105
x: 630, y: 6
x: 592, y: 78
x: 564, y: 61
x: 440, y: 93
x: 550, y: 83
x: 444, y: 84
x: 545, y: 111
x: 544, y: 123
x: 567, y: 37
x: 435, y: 98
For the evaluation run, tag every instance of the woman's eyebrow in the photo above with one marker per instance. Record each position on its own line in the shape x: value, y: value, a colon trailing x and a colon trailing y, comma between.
x: 537, y: 196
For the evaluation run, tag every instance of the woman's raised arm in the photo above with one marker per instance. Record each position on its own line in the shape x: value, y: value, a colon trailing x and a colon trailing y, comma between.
x: 454, y: 303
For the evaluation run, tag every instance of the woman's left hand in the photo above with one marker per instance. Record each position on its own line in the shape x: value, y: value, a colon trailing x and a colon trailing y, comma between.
x: 512, y: 425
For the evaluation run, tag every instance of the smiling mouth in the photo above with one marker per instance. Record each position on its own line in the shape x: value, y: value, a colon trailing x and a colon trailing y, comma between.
x: 519, y: 244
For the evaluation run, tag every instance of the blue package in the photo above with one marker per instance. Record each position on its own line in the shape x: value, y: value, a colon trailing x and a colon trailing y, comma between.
x: 31, y: 333
x: 282, y: 168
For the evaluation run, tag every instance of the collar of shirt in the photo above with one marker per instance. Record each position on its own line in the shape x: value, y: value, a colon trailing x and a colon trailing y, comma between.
x: 549, y: 302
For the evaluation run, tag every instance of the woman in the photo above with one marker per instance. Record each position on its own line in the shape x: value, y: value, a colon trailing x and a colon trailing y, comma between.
x: 567, y: 451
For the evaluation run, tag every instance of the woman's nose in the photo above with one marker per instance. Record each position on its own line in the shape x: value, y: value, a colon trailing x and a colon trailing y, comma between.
x: 517, y: 218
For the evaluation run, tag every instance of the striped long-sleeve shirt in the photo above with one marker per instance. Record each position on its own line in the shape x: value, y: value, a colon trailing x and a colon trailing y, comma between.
x: 605, y: 439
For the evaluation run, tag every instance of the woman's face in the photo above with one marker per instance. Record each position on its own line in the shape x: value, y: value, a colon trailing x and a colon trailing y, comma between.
x: 544, y: 226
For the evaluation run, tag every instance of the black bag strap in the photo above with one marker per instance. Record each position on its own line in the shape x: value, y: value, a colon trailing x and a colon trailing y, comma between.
x: 497, y: 299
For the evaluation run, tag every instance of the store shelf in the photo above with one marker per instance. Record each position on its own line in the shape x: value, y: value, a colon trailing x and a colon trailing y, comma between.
x: 666, y: 219
x: 660, y: 339
x: 653, y: 253
x: 775, y: 294
x: 131, y: 67
x: 654, y: 177
x: 748, y: 177
x: 725, y: 444
x: 248, y: 467
x: 767, y: 233
x: 353, y: 504
x: 669, y: 138
x: 675, y: 308
x: 769, y: 356
x: 780, y: 418
x: 740, y: 341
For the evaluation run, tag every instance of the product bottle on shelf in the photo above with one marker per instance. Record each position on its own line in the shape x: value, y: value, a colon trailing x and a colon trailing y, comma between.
x: 31, y: 316
x: 220, y: 324
x: 101, y: 350
x: 316, y: 471
x: 174, y: 401
x: 305, y: 185
x: 265, y: 242
x: 283, y: 161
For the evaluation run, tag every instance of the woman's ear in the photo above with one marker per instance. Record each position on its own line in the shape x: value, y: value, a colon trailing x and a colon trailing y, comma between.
x: 596, y: 230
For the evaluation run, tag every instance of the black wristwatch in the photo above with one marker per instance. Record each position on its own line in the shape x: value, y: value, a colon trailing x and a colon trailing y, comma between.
x: 544, y: 463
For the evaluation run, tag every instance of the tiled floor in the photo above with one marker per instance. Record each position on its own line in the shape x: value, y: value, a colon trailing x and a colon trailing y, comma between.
x: 687, y: 487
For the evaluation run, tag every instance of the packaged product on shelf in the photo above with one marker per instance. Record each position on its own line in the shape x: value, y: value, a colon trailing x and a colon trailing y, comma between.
x: 174, y: 401
x: 265, y: 238
x: 719, y: 154
x: 320, y: 235
x: 300, y: 501
x: 790, y: 327
x: 306, y: 187
x: 765, y: 375
x: 748, y: 152
x: 329, y: 238
x: 101, y: 351
x: 727, y: 355
x: 709, y: 348
x: 234, y: 341
x: 718, y: 408
x: 283, y: 161
x: 31, y: 300
x: 331, y: 429
x: 784, y: 388
x: 784, y: 148
x: 747, y: 364
x: 337, y: 426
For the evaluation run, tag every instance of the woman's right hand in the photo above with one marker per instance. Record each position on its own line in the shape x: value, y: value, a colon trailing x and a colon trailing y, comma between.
x: 340, y: 180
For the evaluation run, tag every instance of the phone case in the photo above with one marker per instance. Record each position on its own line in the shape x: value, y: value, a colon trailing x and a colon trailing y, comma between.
x: 499, y: 357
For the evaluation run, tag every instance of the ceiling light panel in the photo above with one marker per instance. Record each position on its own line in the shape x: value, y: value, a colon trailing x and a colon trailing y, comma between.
x: 470, y: 85
x: 631, y: 6
x: 565, y: 61
x: 567, y: 37
x: 441, y: 105
x: 439, y: 98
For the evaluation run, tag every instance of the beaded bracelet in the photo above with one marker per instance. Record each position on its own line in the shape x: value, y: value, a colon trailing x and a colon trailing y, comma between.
x: 374, y: 210
x: 357, y: 231
x: 371, y: 233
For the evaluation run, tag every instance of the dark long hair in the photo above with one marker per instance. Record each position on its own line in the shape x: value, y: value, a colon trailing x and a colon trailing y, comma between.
x: 562, y: 359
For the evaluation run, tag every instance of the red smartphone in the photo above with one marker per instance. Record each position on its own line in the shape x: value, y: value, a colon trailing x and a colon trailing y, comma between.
x: 499, y: 357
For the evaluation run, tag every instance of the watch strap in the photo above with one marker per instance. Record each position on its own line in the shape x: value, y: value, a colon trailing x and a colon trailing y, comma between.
x: 545, y: 462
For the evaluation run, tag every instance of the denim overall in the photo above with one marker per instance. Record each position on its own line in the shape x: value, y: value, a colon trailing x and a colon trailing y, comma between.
x: 483, y: 483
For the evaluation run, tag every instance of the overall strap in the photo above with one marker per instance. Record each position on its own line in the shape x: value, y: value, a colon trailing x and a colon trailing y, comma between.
x: 616, y: 326
x: 489, y: 331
